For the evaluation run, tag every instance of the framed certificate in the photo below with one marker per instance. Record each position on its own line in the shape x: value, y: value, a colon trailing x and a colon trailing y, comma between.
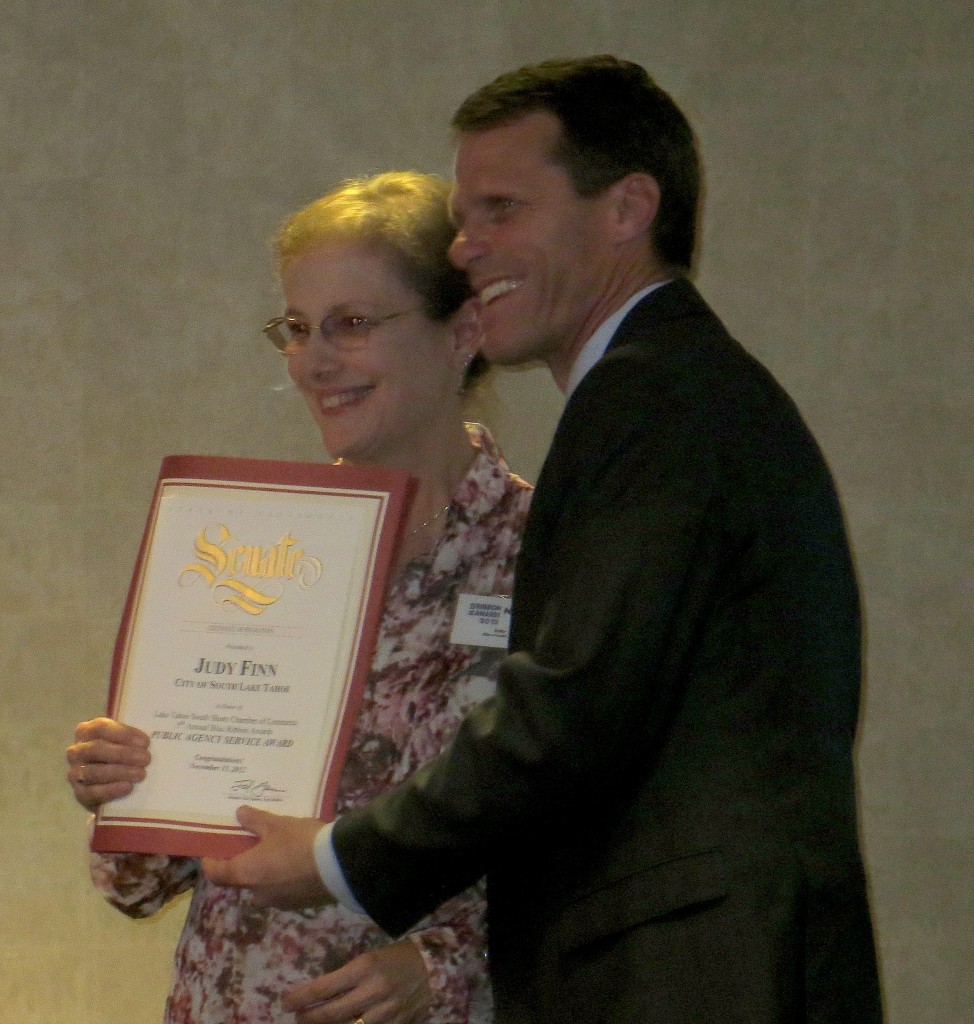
x: 245, y: 644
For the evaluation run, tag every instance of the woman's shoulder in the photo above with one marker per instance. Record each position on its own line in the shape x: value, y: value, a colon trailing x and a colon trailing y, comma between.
x: 491, y: 462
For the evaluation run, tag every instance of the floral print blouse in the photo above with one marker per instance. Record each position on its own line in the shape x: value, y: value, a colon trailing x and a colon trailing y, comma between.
x: 234, y: 960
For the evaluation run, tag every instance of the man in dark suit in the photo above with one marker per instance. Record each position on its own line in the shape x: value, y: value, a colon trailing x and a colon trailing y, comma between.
x: 662, y: 793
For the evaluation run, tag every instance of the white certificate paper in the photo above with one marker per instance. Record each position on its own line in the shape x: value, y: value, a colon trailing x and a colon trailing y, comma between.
x: 245, y: 644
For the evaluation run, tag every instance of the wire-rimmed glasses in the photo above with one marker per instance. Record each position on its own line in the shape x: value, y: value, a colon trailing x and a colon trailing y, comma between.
x: 343, y: 331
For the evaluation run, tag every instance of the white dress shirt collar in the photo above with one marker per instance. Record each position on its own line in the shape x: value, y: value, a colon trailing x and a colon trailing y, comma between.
x: 593, y: 349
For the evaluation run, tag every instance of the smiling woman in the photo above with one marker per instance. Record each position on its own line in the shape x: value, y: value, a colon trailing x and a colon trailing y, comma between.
x: 382, y: 344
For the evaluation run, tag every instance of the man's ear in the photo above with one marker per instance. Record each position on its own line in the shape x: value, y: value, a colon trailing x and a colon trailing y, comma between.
x: 634, y: 203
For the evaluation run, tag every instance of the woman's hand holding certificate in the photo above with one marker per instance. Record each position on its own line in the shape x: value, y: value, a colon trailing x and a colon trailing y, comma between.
x: 106, y: 760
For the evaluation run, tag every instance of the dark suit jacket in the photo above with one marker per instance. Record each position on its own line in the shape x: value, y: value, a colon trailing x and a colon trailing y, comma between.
x: 662, y: 792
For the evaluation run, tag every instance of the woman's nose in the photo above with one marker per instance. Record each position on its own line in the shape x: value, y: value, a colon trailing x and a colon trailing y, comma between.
x: 315, y: 360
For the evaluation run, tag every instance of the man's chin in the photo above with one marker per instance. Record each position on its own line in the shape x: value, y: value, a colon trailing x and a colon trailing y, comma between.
x: 507, y: 349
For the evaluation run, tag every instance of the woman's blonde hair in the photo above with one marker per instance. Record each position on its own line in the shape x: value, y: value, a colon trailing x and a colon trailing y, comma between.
x: 405, y: 215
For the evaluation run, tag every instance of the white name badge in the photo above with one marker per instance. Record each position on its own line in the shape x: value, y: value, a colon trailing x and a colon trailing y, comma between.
x: 482, y: 620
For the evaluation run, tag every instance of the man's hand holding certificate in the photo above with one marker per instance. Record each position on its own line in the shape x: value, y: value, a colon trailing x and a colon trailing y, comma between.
x: 280, y: 871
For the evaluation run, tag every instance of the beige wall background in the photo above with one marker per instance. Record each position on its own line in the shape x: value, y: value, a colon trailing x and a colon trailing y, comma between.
x: 148, y: 149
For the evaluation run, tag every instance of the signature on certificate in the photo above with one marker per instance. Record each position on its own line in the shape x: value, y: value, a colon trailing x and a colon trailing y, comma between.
x: 249, y: 789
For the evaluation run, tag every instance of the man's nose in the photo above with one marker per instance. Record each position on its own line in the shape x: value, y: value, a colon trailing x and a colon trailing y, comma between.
x: 464, y: 249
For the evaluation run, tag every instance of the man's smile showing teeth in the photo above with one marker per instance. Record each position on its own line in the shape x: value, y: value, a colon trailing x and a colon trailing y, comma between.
x: 498, y: 288
x: 335, y: 401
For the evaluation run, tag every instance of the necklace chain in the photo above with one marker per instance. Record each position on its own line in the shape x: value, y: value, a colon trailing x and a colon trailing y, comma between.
x: 422, y: 526
x: 435, y: 515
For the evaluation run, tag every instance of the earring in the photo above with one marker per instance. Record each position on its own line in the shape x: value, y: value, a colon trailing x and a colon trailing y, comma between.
x: 462, y: 386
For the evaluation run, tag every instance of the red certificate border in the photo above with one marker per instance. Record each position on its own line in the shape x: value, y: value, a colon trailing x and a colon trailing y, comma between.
x: 119, y: 834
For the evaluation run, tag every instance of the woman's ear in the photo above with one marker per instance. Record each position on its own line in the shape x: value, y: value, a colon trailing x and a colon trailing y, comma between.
x: 467, y: 331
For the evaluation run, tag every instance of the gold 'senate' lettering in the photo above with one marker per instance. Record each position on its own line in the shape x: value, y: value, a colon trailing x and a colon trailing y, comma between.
x: 220, y: 567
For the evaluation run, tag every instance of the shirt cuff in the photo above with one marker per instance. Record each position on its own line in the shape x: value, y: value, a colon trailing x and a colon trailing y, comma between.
x: 331, y: 871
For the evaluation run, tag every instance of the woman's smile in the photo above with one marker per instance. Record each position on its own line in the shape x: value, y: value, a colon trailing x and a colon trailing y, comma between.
x: 332, y: 401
